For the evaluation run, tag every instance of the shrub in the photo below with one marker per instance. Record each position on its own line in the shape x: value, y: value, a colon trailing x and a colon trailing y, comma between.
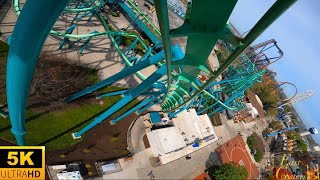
x: 301, y: 145
x: 86, y: 150
x: 125, y: 152
x: 113, y: 139
x: 258, y: 156
x: 266, y: 131
x: 228, y: 171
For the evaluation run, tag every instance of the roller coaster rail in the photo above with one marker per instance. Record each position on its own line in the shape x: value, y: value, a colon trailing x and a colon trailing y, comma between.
x: 182, y: 88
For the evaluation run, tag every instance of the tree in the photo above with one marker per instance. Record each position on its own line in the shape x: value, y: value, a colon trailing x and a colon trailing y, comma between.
x: 277, y: 127
x: 274, y: 124
x: 228, y: 171
x: 268, y: 96
x: 301, y: 146
x: 266, y: 131
x: 55, y: 79
x: 292, y: 134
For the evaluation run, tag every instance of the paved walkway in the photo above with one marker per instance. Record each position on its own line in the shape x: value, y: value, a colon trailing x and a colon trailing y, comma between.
x: 141, y: 166
x: 137, y: 132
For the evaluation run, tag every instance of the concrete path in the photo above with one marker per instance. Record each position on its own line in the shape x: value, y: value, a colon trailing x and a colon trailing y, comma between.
x: 141, y: 166
x: 137, y: 132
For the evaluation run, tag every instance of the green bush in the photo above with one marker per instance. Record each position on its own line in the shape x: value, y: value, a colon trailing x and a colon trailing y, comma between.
x: 277, y: 127
x: 293, y: 135
x: 228, y: 171
x: 301, y: 145
x: 266, y: 131
x: 128, y: 40
x: 86, y: 150
x: 125, y: 152
x: 250, y: 141
x: 258, y: 156
x: 113, y: 139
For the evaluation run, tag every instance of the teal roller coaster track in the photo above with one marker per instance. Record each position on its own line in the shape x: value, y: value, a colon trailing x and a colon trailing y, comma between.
x: 205, y: 23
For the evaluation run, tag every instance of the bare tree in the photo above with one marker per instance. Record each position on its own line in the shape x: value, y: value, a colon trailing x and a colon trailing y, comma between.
x: 55, y: 79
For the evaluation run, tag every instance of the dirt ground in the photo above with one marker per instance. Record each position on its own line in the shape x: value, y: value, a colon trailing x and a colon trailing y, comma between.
x: 104, y: 142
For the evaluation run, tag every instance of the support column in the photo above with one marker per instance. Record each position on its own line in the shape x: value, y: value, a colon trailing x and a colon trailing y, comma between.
x: 149, y: 105
x: 30, y: 32
x: 173, y: 114
x: 114, y: 93
x: 146, y: 84
x: 130, y: 70
x: 136, y: 107
x: 176, y: 53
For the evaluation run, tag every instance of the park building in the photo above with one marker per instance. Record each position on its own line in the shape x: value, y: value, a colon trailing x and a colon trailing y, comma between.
x: 74, y: 170
x: 176, y: 138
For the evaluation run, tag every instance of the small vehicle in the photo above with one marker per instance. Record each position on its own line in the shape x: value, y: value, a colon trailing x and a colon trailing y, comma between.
x: 136, y: 3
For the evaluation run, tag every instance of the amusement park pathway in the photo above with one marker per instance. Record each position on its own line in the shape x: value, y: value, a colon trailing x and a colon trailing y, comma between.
x: 137, y: 133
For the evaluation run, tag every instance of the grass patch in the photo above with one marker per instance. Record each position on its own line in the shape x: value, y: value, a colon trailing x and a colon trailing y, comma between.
x: 56, y: 127
x: 128, y: 40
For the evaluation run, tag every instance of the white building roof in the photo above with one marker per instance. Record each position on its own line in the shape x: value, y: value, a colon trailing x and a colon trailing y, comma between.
x: 254, y: 112
x: 109, y: 167
x: 59, y: 167
x: 191, y: 126
x: 165, y: 140
x: 175, y: 142
x: 75, y: 175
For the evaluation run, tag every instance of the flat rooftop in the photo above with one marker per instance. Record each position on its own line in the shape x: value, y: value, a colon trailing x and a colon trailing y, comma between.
x: 165, y: 140
x: 188, y: 133
x: 192, y: 127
